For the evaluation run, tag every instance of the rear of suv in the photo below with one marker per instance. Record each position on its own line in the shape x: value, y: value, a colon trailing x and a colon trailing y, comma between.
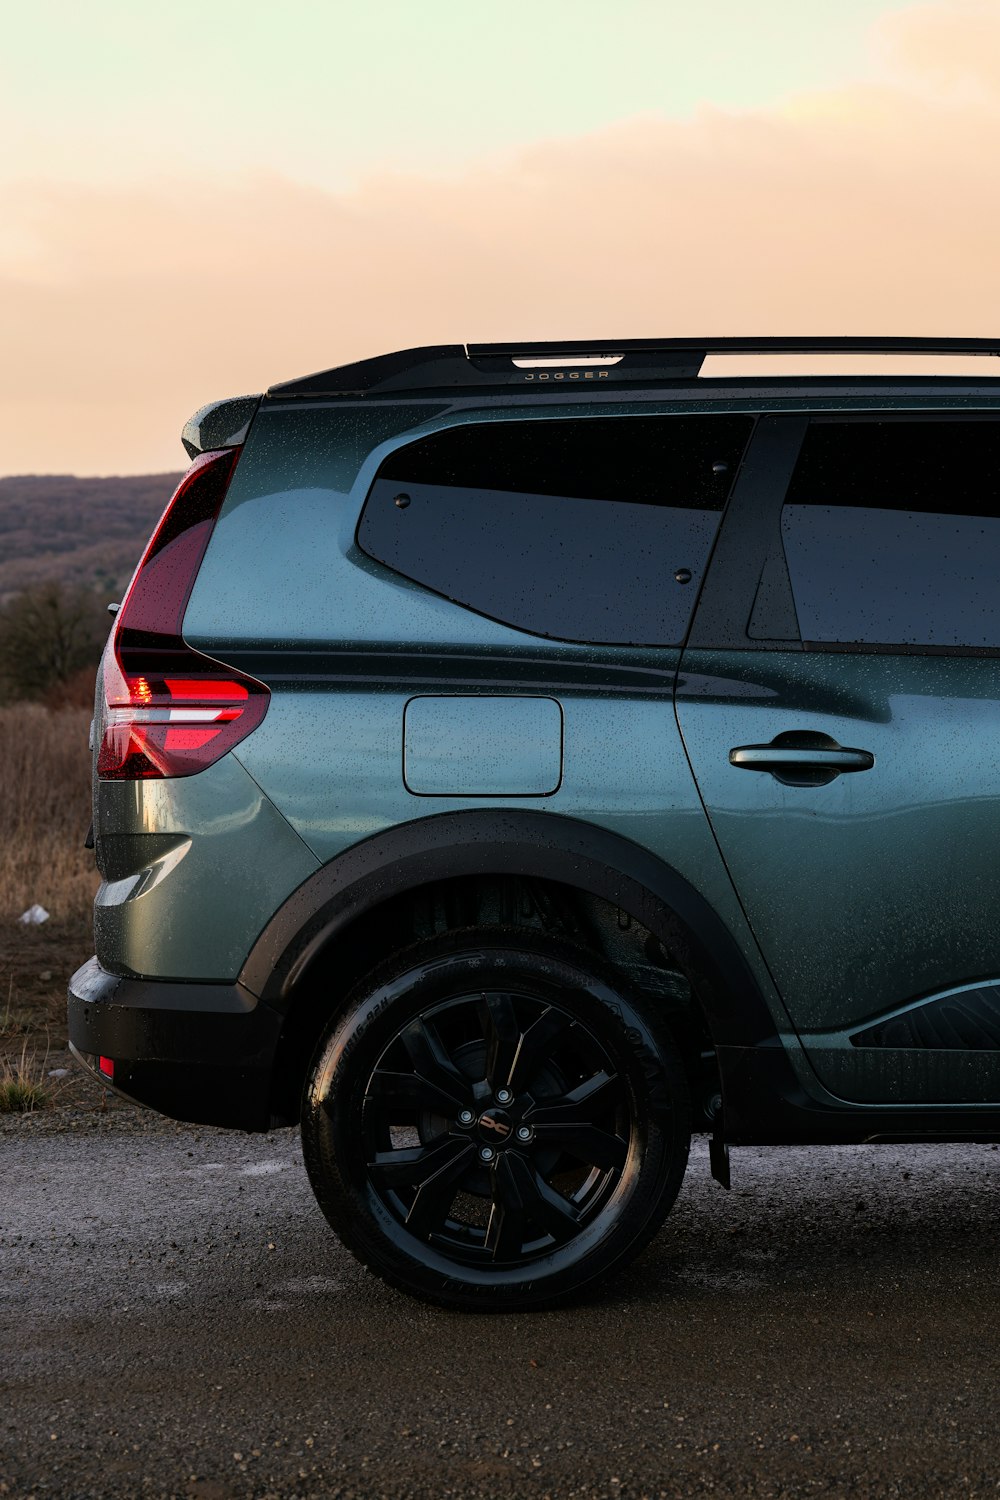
x: 509, y: 761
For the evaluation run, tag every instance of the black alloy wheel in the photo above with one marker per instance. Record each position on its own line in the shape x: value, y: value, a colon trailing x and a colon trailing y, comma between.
x: 493, y: 1122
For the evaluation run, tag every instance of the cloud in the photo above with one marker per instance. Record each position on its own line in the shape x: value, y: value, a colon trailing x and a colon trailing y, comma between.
x: 955, y: 48
x: 868, y: 209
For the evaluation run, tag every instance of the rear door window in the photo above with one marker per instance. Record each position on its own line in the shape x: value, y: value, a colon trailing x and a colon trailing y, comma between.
x: 571, y: 528
x: 891, y: 532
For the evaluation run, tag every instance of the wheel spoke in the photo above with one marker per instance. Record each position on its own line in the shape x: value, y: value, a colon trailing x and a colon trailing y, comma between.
x: 400, y: 1091
x: 503, y: 1037
x: 590, y: 1100
x: 434, y: 1196
x: 506, y: 1230
x: 411, y: 1166
x: 586, y: 1142
x: 547, y: 1209
x: 432, y: 1063
x: 536, y: 1046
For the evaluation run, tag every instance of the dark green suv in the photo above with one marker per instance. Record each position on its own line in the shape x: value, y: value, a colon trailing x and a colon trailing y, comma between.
x: 511, y: 760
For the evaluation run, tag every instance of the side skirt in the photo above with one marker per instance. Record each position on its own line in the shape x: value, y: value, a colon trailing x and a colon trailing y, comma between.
x: 766, y: 1105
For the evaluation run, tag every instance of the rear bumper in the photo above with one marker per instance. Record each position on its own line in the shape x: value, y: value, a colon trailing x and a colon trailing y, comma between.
x: 197, y: 1052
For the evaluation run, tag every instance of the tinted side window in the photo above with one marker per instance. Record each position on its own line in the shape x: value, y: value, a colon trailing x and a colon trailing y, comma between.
x: 891, y: 531
x: 568, y: 528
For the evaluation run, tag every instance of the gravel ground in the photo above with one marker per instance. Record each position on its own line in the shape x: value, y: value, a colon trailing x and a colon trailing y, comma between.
x: 176, y: 1319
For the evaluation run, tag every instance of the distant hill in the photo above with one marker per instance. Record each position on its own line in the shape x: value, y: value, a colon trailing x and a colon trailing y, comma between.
x: 88, y: 531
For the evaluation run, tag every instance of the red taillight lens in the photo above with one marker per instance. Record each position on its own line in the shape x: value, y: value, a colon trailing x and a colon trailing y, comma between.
x: 171, y: 711
x: 106, y: 1065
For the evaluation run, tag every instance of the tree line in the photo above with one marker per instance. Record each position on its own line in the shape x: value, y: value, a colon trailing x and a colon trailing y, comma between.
x: 51, y: 638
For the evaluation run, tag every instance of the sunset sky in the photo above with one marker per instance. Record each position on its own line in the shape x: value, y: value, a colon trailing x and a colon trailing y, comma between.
x: 198, y: 200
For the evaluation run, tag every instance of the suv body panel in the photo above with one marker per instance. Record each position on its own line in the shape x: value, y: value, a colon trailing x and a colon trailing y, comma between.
x: 877, y: 890
x: 874, y: 897
x: 881, y: 889
x: 193, y: 868
x: 344, y: 644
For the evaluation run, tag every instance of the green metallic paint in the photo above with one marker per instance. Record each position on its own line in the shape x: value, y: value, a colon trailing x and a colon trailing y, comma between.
x: 482, y: 745
x: 221, y: 424
x: 301, y: 483
x: 862, y: 894
x: 330, y: 757
x: 191, y: 906
x: 344, y: 643
x: 319, y: 447
x: 882, y: 886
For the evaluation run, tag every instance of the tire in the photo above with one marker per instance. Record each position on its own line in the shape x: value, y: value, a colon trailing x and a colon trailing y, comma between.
x: 494, y: 1122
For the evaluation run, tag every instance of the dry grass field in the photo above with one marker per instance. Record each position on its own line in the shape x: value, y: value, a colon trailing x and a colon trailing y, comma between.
x: 44, y: 816
x: 45, y: 811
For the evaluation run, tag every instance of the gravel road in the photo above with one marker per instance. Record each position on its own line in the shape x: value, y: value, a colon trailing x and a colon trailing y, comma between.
x: 176, y: 1319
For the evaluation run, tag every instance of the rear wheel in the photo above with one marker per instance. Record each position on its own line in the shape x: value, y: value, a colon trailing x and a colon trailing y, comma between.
x: 494, y: 1122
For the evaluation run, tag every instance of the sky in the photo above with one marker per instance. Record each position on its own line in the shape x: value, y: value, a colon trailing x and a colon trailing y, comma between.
x: 200, y: 200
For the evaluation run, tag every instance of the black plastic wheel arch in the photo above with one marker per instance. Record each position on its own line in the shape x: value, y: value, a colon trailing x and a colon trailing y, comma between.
x: 765, y: 1102
x: 542, y: 846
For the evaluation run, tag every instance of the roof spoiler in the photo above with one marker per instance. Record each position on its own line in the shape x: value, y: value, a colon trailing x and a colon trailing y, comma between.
x: 220, y: 424
x: 444, y: 367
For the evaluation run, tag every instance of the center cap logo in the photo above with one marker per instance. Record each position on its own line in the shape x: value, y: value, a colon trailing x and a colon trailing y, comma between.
x: 495, y: 1126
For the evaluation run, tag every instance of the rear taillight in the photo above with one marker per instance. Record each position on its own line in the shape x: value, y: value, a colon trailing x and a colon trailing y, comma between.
x: 171, y: 711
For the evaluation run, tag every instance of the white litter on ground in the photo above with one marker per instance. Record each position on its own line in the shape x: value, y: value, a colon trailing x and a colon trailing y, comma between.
x: 34, y: 916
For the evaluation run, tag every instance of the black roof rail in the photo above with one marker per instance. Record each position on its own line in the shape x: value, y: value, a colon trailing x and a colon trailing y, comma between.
x: 443, y: 367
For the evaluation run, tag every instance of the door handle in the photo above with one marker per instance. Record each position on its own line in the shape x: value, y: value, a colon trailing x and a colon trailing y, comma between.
x: 801, y: 758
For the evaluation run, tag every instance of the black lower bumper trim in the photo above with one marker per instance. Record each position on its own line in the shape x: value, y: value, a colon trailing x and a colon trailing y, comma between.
x: 766, y: 1105
x: 203, y: 1053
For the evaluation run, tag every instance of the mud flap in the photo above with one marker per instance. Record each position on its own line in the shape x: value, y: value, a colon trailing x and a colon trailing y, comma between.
x: 718, y: 1156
